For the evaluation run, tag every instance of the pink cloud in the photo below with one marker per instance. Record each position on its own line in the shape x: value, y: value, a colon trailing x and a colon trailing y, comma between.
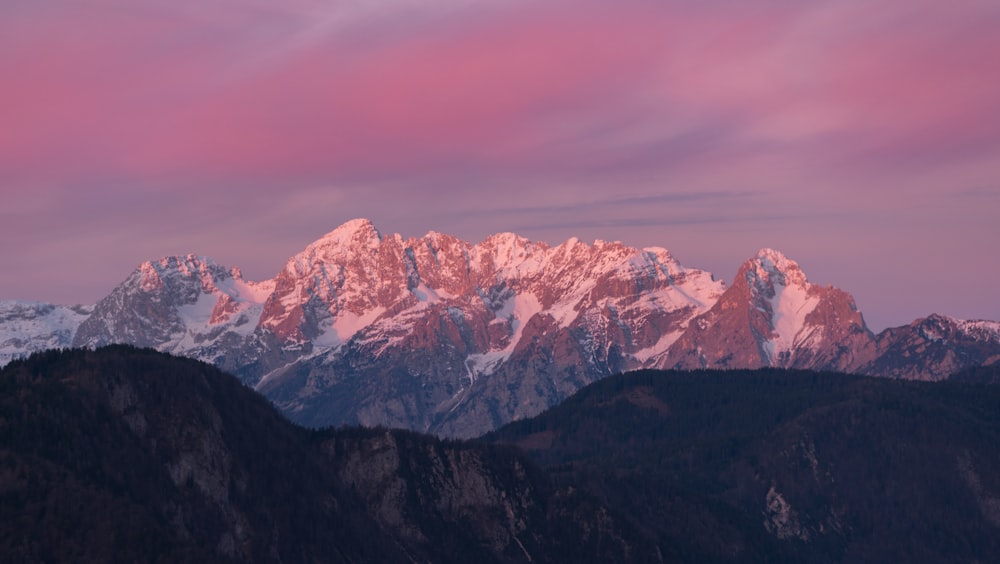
x: 119, y: 107
x: 479, y: 92
x: 513, y: 87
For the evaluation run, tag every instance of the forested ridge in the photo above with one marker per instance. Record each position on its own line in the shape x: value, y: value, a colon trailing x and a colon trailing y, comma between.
x: 125, y: 454
x: 774, y: 464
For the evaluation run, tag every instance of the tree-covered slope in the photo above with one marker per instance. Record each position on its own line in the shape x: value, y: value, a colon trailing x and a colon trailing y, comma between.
x: 123, y: 454
x: 784, y: 465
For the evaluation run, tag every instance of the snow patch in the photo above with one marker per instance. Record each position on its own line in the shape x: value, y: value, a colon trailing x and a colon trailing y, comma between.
x: 200, y: 312
x: 519, y: 309
x: 664, y: 343
x: 987, y: 331
x: 789, y: 308
x: 425, y: 294
x: 484, y: 364
x: 338, y: 330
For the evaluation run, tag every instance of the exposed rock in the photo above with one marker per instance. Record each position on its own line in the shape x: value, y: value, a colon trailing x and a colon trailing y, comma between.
x: 934, y: 348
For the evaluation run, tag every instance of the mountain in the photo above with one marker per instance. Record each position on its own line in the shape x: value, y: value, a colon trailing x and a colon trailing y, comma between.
x: 185, y: 305
x: 935, y: 347
x: 440, y: 335
x: 783, y: 465
x: 27, y: 327
x: 773, y: 316
x: 122, y: 454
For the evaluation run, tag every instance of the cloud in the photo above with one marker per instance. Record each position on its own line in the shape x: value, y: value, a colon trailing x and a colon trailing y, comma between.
x: 170, y: 123
x: 314, y: 93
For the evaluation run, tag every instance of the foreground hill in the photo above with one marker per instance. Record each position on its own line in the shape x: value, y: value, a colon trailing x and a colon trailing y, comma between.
x: 122, y: 454
x: 778, y: 465
x: 133, y: 455
x: 440, y: 335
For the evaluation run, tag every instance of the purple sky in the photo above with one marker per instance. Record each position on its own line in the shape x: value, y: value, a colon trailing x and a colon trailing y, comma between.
x: 860, y: 137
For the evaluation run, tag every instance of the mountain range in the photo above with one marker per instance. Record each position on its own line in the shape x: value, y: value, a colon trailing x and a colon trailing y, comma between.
x: 439, y: 335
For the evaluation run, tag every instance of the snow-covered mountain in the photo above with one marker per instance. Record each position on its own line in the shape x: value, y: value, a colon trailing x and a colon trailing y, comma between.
x: 447, y: 333
x: 437, y: 334
x: 186, y: 305
x: 773, y: 316
x: 27, y: 327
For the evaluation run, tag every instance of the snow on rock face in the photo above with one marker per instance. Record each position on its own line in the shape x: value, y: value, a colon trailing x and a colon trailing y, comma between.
x: 27, y: 327
x: 454, y: 315
x: 780, y: 289
x: 980, y: 330
x: 182, y: 304
x: 341, y: 278
x: 790, y: 307
x: 770, y: 264
x: 351, y: 282
x: 773, y: 316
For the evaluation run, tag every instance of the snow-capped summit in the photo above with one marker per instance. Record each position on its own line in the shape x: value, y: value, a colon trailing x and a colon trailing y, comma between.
x: 780, y: 290
x: 771, y: 267
x: 182, y: 304
x: 352, y: 235
x: 773, y: 316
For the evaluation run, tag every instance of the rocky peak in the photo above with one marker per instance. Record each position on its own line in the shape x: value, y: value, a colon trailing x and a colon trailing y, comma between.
x: 338, y: 284
x: 773, y: 316
x: 935, y: 347
x: 349, y: 241
x: 778, y: 289
x: 441, y: 262
x: 189, y: 272
x: 184, y: 304
x: 351, y: 233
x: 937, y: 327
x: 509, y: 255
x: 770, y: 268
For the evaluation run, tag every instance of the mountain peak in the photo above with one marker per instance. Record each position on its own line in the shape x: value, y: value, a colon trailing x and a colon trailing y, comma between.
x: 151, y: 273
x: 773, y: 267
x: 506, y: 239
x: 187, y: 262
x: 355, y: 237
x: 775, y: 260
x: 358, y: 229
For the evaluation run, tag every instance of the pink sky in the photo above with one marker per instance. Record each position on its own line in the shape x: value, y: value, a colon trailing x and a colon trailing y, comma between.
x: 862, y: 138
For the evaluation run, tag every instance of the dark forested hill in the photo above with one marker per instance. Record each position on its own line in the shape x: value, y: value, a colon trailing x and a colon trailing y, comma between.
x: 784, y: 465
x: 123, y: 454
